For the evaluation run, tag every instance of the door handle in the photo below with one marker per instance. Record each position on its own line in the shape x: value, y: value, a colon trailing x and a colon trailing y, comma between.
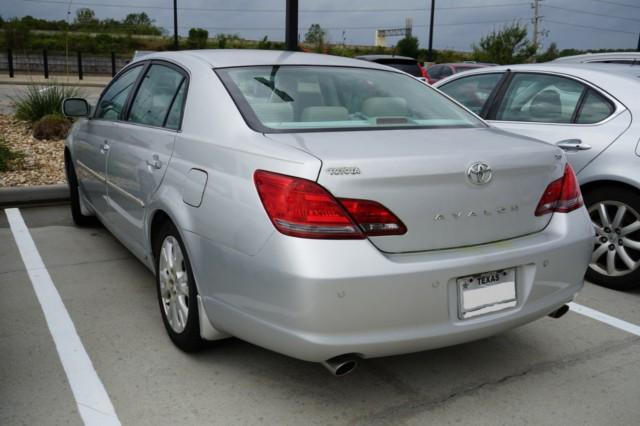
x: 155, y: 162
x: 104, y: 147
x: 573, y: 145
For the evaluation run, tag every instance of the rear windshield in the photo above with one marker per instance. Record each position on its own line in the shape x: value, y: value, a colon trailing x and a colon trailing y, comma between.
x: 298, y: 98
x: 410, y: 67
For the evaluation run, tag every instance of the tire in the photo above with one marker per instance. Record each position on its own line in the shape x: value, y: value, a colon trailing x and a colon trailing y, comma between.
x: 616, y: 260
x: 74, y: 195
x: 176, y: 295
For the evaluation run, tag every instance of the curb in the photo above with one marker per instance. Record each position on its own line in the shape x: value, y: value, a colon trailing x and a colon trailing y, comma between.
x: 34, y: 195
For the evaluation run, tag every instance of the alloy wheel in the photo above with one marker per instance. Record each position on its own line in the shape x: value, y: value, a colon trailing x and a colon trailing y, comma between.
x: 174, y: 284
x: 617, y: 243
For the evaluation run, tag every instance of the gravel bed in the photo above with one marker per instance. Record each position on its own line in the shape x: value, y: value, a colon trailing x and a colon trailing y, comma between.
x: 43, y: 162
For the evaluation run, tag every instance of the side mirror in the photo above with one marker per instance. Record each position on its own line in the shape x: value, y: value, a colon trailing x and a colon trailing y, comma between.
x: 75, y: 107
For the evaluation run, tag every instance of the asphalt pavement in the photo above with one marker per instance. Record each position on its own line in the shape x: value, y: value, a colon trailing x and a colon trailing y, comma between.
x: 574, y: 370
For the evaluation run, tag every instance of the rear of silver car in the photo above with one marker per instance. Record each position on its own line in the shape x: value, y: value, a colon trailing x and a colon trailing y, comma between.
x: 416, y: 230
x: 475, y: 259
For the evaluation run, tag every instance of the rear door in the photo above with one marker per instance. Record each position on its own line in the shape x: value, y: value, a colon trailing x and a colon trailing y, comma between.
x: 142, y: 148
x: 560, y: 110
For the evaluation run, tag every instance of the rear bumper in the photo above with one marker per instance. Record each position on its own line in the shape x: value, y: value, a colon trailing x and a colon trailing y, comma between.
x: 316, y: 299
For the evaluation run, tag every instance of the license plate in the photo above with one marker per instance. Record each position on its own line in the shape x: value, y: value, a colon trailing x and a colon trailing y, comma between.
x: 488, y: 292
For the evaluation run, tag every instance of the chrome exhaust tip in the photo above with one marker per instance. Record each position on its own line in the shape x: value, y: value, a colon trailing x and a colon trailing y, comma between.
x: 341, y: 365
x: 559, y: 312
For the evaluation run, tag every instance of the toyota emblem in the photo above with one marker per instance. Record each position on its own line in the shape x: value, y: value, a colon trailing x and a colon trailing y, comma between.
x: 479, y: 173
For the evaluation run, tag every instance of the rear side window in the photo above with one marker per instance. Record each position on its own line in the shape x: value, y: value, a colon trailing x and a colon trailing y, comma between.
x: 435, y: 72
x: 446, y: 71
x: 594, y: 109
x: 112, y: 102
x: 295, y: 98
x: 540, y: 98
x: 473, y: 91
x: 156, y: 95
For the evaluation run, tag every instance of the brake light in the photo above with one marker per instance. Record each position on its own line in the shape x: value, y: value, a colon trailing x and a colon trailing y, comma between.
x: 423, y: 70
x: 562, y: 195
x: 302, y: 208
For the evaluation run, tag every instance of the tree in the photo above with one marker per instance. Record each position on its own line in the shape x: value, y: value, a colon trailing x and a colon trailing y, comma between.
x: 197, y: 38
x: 507, y: 46
x: 315, y: 36
x: 85, y: 17
x: 550, y: 54
x: 138, y: 20
x: 408, y: 46
x: 16, y: 34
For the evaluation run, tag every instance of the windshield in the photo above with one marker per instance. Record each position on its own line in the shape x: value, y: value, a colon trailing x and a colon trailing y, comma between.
x: 298, y: 98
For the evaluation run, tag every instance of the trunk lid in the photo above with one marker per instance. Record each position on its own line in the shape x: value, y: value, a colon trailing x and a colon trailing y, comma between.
x: 421, y: 176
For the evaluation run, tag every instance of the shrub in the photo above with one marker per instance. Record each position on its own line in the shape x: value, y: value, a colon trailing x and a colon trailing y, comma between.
x: 37, y: 101
x: 51, y: 126
x: 8, y: 157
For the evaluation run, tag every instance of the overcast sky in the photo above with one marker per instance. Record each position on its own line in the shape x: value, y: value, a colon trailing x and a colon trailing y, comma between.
x: 582, y: 24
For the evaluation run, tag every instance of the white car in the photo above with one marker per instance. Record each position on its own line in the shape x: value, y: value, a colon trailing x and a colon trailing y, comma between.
x: 590, y: 111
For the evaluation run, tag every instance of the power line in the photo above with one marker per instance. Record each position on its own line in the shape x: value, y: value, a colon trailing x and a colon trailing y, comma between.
x: 590, y: 27
x: 220, y: 9
x: 618, y: 4
x: 592, y: 13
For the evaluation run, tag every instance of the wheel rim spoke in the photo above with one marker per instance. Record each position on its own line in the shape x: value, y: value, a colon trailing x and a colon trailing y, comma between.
x: 630, y: 228
x: 628, y: 242
x: 617, y: 220
x: 611, y: 262
x: 598, y: 252
x: 604, y: 217
x: 624, y: 256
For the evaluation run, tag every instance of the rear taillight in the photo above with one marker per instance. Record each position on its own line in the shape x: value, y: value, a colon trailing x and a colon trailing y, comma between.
x: 423, y: 70
x: 302, y: 208
x: 562, y: 195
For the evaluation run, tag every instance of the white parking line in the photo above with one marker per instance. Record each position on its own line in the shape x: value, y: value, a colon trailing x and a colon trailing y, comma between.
x: 607, y: 319
x: 94, y: 404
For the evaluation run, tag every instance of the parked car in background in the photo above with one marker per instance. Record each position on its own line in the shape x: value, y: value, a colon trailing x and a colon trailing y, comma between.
x: 587, y: 110
x: 324, y: 207
x: 437, y: 72
x: 627, y: 58
x: 403, y: 63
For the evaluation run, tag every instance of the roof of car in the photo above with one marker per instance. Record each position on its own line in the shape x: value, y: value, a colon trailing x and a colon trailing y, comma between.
x: 377, y: 57
x: 606, y: 56
x: 223, y: 58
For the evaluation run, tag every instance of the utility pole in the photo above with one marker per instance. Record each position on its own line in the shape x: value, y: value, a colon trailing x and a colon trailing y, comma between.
x: 638, y: 49
x: 175, y: 24
x: 430, y: 52
x: 291, y: 26
x: 536, y: 20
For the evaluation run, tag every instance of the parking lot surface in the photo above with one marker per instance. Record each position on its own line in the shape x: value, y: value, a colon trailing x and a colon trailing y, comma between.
x: 574, y: 370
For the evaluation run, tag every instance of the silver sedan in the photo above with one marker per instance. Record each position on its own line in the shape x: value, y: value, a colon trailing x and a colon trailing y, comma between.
x: 326, y: 208
x: 587, y: 110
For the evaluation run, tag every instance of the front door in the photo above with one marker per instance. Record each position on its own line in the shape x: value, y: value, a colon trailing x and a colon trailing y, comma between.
x: 561, y: 111
x: 93, y: 142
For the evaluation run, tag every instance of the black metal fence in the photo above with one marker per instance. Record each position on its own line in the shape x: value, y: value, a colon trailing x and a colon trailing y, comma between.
x: 46, y: 63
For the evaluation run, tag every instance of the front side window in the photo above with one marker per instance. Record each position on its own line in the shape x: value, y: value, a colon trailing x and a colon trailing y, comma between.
x: 112, y: 102
x: 156, y: 95
x: 287, y: 98
x: 540, y: 98
x: 473, y: 91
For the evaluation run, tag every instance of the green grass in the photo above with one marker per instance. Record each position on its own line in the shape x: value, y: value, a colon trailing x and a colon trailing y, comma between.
x: 8, y: 157
x: 39, y: 100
